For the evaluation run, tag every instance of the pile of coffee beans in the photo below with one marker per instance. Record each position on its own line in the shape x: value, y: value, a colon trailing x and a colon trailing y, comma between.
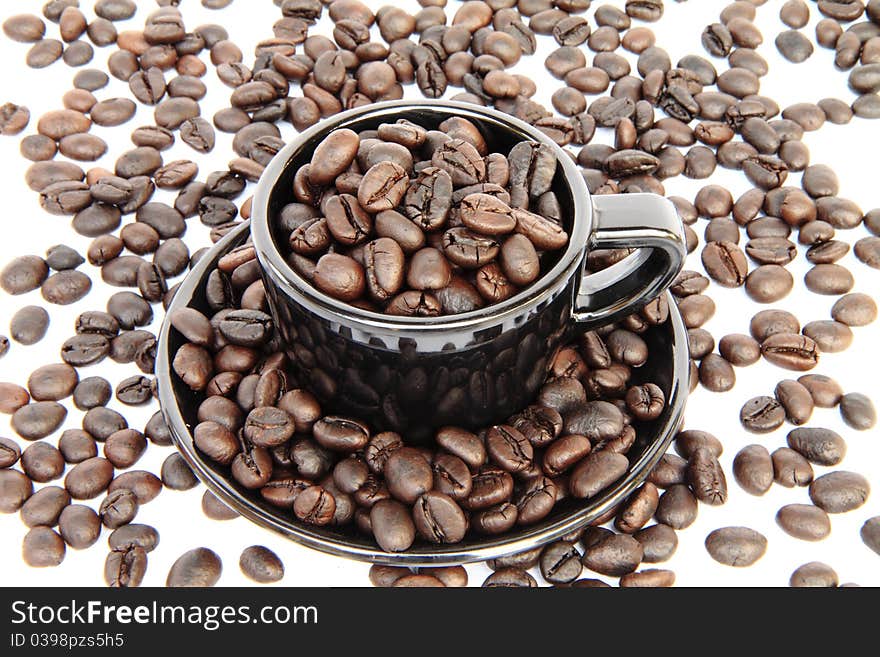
x: 416, y: 222
x: 328, y: 470
x: 662, y: 118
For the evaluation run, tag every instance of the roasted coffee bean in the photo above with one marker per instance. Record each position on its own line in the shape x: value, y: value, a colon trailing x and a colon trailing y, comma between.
x: 200, y: 567
x: 736, y: 546
x: 739, y: 350
x: 804, y: 521
x: 125, y: 447
x: 857, y: 411
x: 646, y: 402
x: 716, y: 373
x: 790, y: 468
x: 23, y: 274
x: 9, y: 453
x: 43, y: 548
x: 77, y: 446
x: 214, y: 509
x: 613, y: 554
x: 706, y: 477
x: 341, y: 434
x: 38, y: 419
x: 855, y: 309
x: 29, y: 325
x: 261, y: 565
x: 340, y: 277
x: 839, y: 491
x: 677, y: 506
x: 125, y: 568
x: 347, y: 221
x: 392, y: 526
x: 596, y: 472
x: 794, y: 46
x: 89, y: 479
x: 753, y: 469
x: 42, y: 462
x: 796, y: 400
x: 762, y: 414
x: 118, y: 508
x: 79, y: 526
x: 177, y: 475
x: 814, y: 574
x: 790, y: 351
x: 438, y: 519
x: 830, y: 279
x: 44, y: 507
x: 870, y: 534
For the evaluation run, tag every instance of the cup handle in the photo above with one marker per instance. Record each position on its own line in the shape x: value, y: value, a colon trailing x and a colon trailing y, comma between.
x: 647, y: 222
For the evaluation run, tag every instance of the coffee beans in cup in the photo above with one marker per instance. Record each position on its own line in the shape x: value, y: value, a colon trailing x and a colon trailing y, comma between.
x: 413, y: 222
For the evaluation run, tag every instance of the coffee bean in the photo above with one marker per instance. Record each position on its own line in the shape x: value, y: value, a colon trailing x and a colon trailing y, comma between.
x: 23, y: 274
x: 857, y: 411
x: 796, y: 400
x: 830, y: 336
x: 200, y: 567
x: 9, y: 453
x: 89, y: 479
x: 706, y: 477
x: 392, y: 526
x: 24, y: 28
x: 819, y: 446
x: 118, y: 508
x: 77, y: 446
x: 261, y: 565
x: 43, y: 548
x: 613, y: 554
x: 855, y: 309
x: 438, y: 519
x: 79, y: 526
x: 716, y: 373
x: 736, y: 546
x: 510, y: 578
x: 769, y: 283
x: 66, y: 287
x: 177, y: 475
x: 739, y: 350
x: 596, y: 472
x: 794, y: 46
x: 762, y: 414
x: 214, y: 509
x: 29, y: 325
x: 42, y: 462
x: 560, y: 563
x: 677, y: 507
x: 790, y: 468
x: 790, y: 351
x: 870, y: 534
x: 38, y: 419
x: 125, y: 567
x: 44, y: 507
x: 804, y: 521
x: 829, y: 279
x: 814, y: 574
x: 839, y: 491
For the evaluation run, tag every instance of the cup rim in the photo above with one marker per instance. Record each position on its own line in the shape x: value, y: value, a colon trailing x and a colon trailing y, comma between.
x: 493, y: 547
x: 283, y: 276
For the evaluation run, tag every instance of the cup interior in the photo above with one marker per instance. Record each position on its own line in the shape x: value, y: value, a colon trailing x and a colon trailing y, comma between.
x: 667, y: 367
x: 501, y: 134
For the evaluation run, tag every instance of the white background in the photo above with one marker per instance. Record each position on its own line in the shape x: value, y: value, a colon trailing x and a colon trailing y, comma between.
x: 178, y: 515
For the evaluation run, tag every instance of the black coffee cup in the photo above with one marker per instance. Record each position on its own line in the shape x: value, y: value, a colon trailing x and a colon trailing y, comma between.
x: 412, y: 375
